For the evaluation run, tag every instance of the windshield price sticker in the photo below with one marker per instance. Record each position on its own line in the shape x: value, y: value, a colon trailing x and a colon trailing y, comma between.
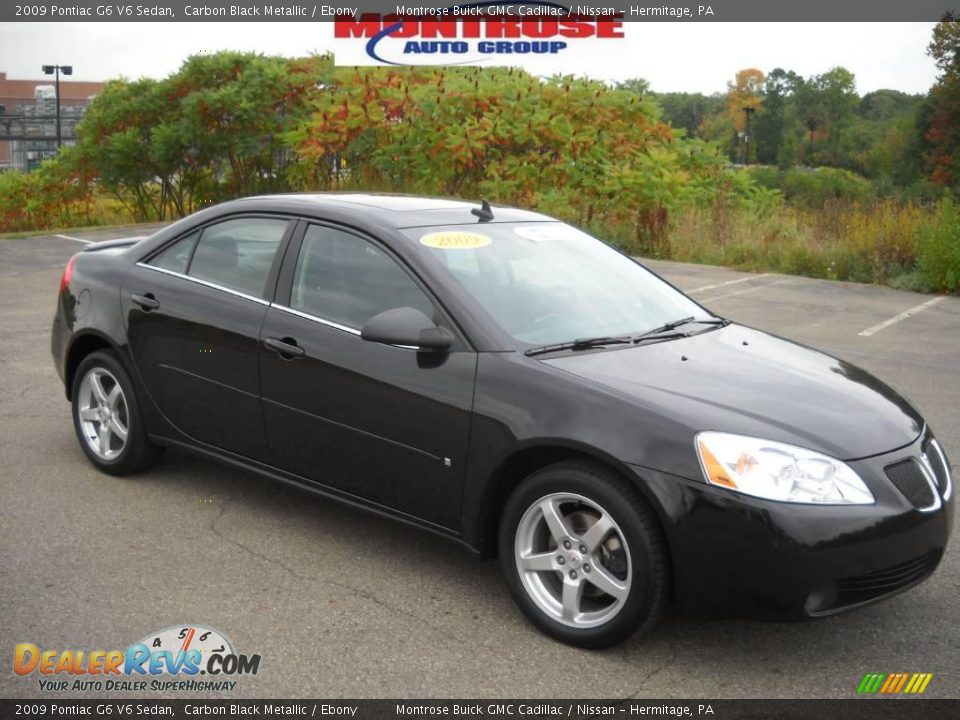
x: 455, y: 240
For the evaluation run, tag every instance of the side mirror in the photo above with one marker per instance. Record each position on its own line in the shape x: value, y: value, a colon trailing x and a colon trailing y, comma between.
x: 406, y: 326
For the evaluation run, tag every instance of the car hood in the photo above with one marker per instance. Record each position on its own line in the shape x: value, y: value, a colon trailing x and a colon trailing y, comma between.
x: 739, y: 380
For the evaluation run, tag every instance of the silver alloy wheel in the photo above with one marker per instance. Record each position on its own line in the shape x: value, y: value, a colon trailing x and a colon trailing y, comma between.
x: 573, y: 560
x: 103, y: 414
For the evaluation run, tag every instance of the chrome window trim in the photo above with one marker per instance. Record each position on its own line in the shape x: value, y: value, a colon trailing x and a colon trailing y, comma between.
x: 205, y: 283
x: 314, y: 318
x: 331, y: 323
x: 261, y: 301
x: 948, y: 479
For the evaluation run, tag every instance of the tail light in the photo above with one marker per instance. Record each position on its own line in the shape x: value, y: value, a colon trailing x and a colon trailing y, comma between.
x: 68, y: 273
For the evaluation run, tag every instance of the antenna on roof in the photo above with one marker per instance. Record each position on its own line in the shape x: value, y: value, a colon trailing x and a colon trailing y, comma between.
x: 485, y: 213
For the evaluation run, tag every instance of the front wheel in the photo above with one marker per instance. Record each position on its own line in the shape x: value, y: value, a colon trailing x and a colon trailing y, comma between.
x: 583, y: 555
x: 107, y: 418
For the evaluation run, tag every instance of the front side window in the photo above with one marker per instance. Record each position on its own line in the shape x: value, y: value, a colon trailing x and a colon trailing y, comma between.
x: 346, y: 279
x: 549, y: 283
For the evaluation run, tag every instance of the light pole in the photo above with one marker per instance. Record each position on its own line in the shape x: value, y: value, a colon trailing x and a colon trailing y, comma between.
x: 749, y: 113
x: 56, y: 70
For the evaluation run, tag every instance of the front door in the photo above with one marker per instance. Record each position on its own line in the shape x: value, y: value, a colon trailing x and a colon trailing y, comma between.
x: 383, y: 423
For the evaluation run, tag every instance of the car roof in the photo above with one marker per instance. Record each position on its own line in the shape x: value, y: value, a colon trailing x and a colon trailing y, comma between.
x: 397, y: 211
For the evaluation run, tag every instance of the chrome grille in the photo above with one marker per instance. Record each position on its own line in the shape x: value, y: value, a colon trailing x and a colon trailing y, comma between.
x: 909, y: 478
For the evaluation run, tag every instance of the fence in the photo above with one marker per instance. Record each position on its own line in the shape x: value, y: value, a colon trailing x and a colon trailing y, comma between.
x: 28, y: 129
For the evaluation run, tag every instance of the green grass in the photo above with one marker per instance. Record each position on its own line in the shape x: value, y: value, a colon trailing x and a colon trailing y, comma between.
x: 886, y: 242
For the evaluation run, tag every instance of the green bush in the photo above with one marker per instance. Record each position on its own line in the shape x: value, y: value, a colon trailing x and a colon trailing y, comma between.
x: 812, y: 187
x: 938, y: 255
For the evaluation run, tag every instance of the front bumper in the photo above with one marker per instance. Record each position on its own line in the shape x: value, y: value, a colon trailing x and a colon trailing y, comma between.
x: 739, y: 556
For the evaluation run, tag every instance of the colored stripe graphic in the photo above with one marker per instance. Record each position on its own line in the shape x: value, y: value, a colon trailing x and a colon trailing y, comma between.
x: 900, y: 683
x: 870, y: 683
x: 914, y: 683
x: 891, y: 681
x: 894, y: 683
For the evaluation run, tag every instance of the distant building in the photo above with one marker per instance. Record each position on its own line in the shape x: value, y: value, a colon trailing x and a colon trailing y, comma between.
x: 28, y: 118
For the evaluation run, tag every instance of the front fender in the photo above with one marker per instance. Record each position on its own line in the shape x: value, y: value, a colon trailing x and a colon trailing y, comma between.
x: 528, y: 415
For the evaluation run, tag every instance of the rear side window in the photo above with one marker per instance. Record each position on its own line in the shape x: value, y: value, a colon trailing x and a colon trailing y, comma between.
x: 345, y: 279
x: 235, y: 254
x: 177, y: 256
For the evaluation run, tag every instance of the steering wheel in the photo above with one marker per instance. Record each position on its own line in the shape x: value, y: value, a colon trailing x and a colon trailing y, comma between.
x: 542, y: 309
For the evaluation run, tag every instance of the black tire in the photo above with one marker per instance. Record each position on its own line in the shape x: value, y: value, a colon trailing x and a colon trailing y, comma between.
x: 648, y: 587
x: 137, y: 452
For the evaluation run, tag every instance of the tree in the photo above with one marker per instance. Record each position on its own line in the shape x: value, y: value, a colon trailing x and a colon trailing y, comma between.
x: 570, y: 146
x: 689, y: 110
x: 885, y: 105
x: 232, y: 111
x: 944, y: 48
x: 213, y: 130
x: 826, y: 106
x: 114, y: 146
x: 744, y: 100
x: 635, y: 85
x: 772, y: 125
x: 746, y: 91
x: 942, y: 113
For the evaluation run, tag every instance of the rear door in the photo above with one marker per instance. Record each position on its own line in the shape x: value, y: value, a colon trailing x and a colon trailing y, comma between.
x: 193, y: 313
x: 384, y: 423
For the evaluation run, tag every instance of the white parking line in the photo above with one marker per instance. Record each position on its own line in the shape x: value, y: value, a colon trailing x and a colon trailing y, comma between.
x: 744, y: 292
x: 68, y: 237
x: 728, y: 282
x: 902, y: 316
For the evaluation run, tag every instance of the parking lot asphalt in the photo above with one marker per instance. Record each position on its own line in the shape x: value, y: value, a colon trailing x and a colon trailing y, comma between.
x: 341, y: 604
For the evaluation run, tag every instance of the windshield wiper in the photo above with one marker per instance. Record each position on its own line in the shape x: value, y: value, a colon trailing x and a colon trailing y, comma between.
x: 581, y: 344
x: 665, y: 330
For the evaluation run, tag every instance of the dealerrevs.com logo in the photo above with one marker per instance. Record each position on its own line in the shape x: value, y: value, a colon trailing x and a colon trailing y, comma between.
x: 475, y: 32
x: 182, y: 658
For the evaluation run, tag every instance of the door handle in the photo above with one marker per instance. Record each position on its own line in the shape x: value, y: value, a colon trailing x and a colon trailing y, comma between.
x: 287, y: 347
x: 147, y: 302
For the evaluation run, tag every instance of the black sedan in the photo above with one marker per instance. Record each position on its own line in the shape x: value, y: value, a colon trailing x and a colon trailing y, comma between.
x: 507, y: 381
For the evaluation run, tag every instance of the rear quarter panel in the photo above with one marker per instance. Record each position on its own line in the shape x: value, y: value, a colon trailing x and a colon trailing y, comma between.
x: 90, y: 306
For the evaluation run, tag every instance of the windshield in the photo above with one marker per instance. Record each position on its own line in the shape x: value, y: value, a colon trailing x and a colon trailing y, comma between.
x: 551, y: 283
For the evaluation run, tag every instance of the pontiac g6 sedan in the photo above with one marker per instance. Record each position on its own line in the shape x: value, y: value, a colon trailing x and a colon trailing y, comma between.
x: 507, y: 381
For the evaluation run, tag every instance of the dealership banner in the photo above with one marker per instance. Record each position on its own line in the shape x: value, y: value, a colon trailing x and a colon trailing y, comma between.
x: 508, y: 709
x: 544, y: 11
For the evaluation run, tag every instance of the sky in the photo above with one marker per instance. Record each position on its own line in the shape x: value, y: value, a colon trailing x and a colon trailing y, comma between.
x: 672, y: 56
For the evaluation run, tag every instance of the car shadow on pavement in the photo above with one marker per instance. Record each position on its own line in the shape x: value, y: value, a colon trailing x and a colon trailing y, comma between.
x: 462, y: 598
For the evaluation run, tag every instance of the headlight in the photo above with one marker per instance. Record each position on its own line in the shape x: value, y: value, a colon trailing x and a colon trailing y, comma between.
x: 777, y: 471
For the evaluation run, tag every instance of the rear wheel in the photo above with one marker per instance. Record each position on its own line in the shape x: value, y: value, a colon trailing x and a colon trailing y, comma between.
x: 107, y: 419
x: 583, y: 555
